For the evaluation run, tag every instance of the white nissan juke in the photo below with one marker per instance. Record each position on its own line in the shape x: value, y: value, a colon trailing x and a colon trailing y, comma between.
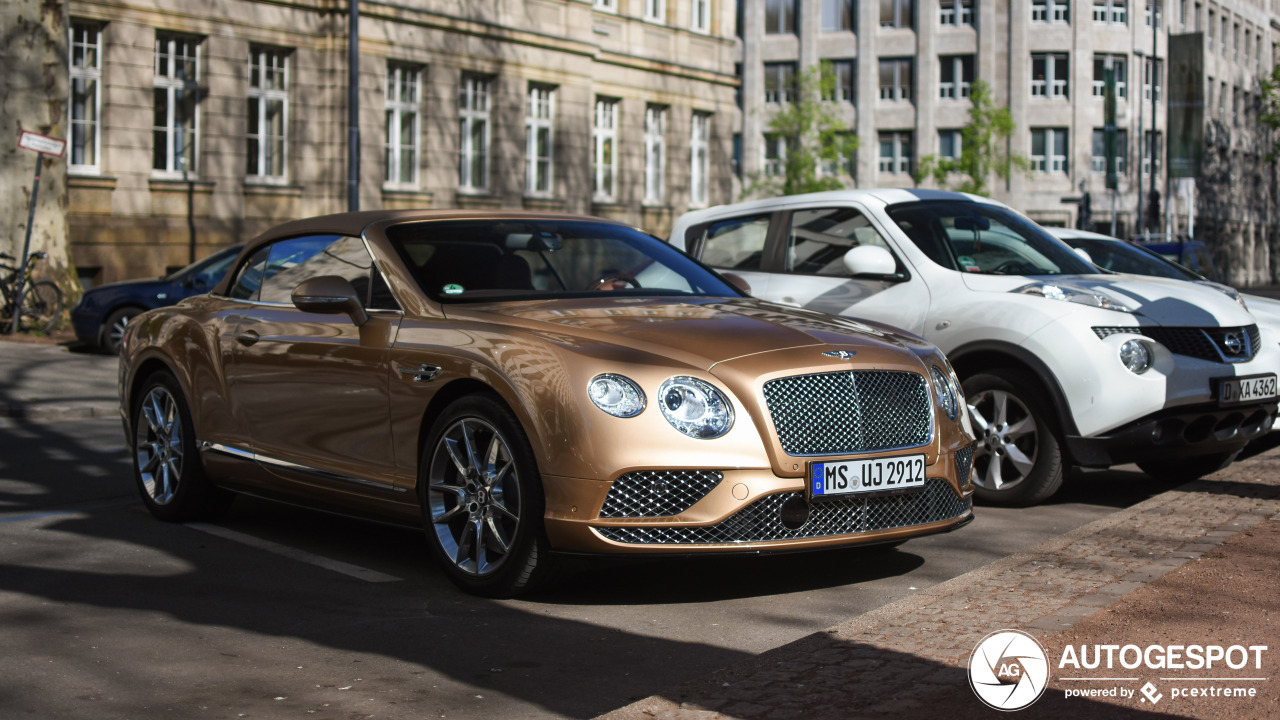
x: 1062, y: 365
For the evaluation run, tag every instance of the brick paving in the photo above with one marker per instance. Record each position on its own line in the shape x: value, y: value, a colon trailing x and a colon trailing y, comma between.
x: 908, y: 658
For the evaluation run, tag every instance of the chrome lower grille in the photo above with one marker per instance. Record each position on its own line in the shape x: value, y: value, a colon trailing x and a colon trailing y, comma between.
x: 838, y: 413
x: 761, y: 521
x: 964, y: 464
x: 657, y: 493
x: 1218, y: 344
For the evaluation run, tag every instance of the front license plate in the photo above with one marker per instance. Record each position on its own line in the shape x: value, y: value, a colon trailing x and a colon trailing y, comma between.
x: 860, y: 476
x: 1246, y: 389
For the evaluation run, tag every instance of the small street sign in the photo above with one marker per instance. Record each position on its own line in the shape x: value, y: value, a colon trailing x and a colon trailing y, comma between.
x: 42, y: 143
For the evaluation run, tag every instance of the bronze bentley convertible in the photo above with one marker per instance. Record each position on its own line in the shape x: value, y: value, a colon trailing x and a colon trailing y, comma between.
x: 529, y: 385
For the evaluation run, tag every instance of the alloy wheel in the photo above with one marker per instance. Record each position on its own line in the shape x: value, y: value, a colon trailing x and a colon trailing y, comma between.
x: 1008, y: 441
x: 158, y: 444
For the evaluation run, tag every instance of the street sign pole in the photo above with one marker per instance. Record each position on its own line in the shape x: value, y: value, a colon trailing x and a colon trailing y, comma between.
x: 1109, y: 136
x: 42, y: 146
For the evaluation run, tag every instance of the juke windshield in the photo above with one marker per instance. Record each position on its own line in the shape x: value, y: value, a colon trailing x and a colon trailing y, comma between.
x: 980, y: 238
x: 484, y: 261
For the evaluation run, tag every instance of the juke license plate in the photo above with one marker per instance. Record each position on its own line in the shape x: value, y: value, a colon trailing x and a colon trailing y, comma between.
x: 1246, y: 389
x: 903, y: 472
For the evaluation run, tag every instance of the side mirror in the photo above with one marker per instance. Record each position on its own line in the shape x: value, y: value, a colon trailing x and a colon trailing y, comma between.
x: 1084, y: 254
x: 329, y: 295
x: 737, y: 281
x: 871, y: 260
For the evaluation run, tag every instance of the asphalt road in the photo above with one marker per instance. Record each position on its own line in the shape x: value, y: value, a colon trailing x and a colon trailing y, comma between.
x: 281, y: 612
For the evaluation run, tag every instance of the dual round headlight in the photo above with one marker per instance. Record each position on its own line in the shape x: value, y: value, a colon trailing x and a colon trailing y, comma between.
x: 948, y: 395
x: 1136, y: 356
x: 692, y: 406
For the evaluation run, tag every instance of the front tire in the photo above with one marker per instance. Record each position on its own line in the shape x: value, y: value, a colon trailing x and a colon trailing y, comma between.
x: 482, y: 501
x: 1019, y: 459
x: 166, y: 461
x: 114, y: 327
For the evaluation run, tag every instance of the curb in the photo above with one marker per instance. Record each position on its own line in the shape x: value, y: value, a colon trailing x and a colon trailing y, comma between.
x: 53, y: 412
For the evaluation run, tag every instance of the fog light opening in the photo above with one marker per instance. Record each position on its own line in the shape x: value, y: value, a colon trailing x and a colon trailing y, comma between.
x: 794, y: 513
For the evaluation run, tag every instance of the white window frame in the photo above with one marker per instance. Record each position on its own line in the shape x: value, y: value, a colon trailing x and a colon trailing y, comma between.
x: 903, y: 15
x: 606, y: 5
x: 700, y: 16
x: 276, y: 60
x: 604, y: 137
x: 655, y: 11
x: 166, y: 80
x: 957, y: 140
x: 1098, y: 163
x: 958, y: 88
x: 475, y: 97
x: 540, y: 140
x: 898, y: 90
x: 899, y: 161
x: 832, y: 11
x: 784, y: 92
x: 955, y: 13
x: 1051, y: 87
x: 1050, y: 162
x: 403, y: 97
x: 1150, y: 66
x: 699, y: 158
x: 1111, y: 12
x: 1055, y: 12
x: 1147, y: 146
x: 774, y: 152
x: 655, y: 154
x: 841, y: 92
x: 84, y: 40
x: 1120, y: 63
x: 1146, y: 15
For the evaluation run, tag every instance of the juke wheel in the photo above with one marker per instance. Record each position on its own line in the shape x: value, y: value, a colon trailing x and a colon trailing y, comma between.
x: 166, y: 463
x: 482, y: 502
x: 1018, y: 461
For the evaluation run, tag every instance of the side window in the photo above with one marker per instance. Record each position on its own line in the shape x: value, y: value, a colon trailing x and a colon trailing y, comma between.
x: 249, y: 281
x: 819, y: 239
x: 736, y: 244
x: 297, y: 259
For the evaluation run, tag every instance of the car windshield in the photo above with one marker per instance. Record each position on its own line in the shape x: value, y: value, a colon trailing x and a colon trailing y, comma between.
x: 486, y: 260
x: 209, y: 271
x: 980, y: 238
x: 1119, y: 256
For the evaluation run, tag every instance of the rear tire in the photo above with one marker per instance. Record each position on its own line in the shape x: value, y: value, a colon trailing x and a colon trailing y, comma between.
x: 166, y: 458
x: 113, y: 329
x: 1018, y: 461
x: 1187, y: 469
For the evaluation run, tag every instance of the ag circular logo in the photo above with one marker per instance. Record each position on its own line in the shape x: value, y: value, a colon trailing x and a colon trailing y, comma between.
x: 1008, y: 670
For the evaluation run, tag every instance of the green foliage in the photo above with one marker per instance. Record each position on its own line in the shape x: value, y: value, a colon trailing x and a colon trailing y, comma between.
x: 983, y: 148
x: 816, y: 137
x: 1269, y: 117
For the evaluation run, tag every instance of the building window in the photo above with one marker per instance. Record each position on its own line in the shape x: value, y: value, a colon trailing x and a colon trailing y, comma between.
x: 655, y: 154
x: 176, y: 95
x: 895, y: 153
x: 1147, y: 14
x: 539, y: 125
x: 606, y: 5
x: 655, y: 10
x: 897, y: 13
x: 1222, y: 35
x: 699, y: 158
x: 700, y: 15
x: 1151, y: 145
x: 473, y: 146
x: 403, y: 124
x: 949, y: 144
x: 956, y: 75
x: 955, y: 12
x: 1098, y: 160
x: 779, y: 82
x: 1049, y: 150
x: 842, y: 79
x: 895, y: 79
x: 1049, y: 75
x: 1114, y: 12
x: 837, y: 16
x: 842, y: 167
x: 1151, y: 79
x: 268, y: 113
x: 1118, y: 63
x: 780, y: 17
x: 776, y: 147
x: 605, y: 140
x: 1051, y: 11
x: 1235, y: 42
x: 85, y: 107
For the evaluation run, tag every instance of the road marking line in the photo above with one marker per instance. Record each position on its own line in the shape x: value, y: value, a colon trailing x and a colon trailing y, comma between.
x: 338, y: 566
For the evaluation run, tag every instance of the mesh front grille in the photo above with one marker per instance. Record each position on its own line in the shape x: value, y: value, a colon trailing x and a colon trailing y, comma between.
x: 964, y: 463
x: 1211, y: 343
x: 761, y: 522
x: 657, y: 493
x: 838, y: 413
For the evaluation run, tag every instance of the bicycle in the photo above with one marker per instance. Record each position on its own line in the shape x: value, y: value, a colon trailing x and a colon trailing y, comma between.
x: 40, y: 306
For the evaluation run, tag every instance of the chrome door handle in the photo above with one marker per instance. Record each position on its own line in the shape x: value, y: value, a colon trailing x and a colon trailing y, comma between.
x: 423, y: 373
x: 247, y: 337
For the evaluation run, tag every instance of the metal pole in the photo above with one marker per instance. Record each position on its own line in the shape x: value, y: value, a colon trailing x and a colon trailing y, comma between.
x: 26, y: 249
x: 1142, y: 146
x: 1155, y: 83
x: 353, y: 107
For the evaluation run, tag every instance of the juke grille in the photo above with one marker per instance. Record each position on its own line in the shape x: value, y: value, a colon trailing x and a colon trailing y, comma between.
x: 761, y: 521
x: 844, y: 412
x: 1210, y: 343
x: 658, y: 493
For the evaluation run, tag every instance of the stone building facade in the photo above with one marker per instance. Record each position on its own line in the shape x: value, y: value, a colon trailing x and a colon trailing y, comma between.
x: 213, y: 120
x: 904, y: 68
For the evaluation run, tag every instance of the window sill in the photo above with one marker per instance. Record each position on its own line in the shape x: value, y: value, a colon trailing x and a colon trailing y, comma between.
x: 259, y: 188
x: 92, y: 182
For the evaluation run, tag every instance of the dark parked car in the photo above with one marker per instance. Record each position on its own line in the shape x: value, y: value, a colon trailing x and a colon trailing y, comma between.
x: 103, y: 312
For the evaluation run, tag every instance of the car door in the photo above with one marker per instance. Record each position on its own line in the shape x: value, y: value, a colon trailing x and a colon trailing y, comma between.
x: 735, y: 245
x: 811, y: 245
x: 312, y: 389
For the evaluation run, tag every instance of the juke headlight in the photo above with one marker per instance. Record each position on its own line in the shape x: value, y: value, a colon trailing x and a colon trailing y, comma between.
x: 695, y: 408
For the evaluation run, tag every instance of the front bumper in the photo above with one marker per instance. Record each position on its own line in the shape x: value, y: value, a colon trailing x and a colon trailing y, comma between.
x: 1184, y: 432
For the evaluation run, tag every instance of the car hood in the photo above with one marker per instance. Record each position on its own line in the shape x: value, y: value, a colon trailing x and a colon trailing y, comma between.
x: 700, y: 332
x: 134, y: 290
x: 1265, y: 309
x: 1155, y: 301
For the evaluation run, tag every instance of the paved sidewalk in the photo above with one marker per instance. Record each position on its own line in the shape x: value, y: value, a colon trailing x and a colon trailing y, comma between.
x: 908, y: 659
x: 44, y: 382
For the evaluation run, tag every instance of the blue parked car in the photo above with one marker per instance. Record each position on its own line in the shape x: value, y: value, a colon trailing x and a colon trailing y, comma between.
x: 103, y: 312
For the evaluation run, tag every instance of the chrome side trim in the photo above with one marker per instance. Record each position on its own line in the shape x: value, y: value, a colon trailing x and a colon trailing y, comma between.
x: 301, y: 469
